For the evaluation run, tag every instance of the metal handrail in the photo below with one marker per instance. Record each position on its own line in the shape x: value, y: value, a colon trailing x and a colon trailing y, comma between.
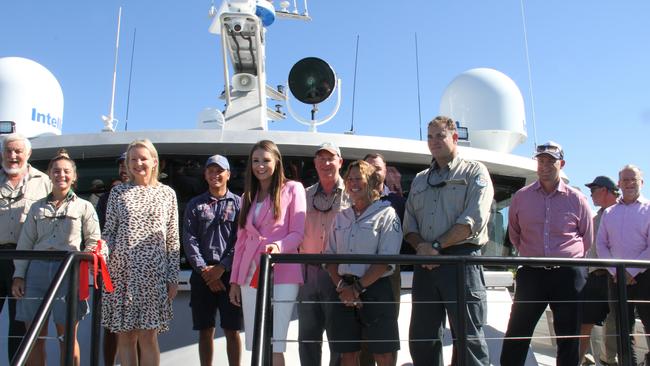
x: 69, y: 264
x: 262, y: 334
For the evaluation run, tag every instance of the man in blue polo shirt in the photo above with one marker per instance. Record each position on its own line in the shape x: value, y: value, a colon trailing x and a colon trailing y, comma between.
x: 209, y: 235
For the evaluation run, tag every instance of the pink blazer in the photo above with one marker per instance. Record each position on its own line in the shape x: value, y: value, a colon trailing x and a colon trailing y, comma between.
x: 287, y: 232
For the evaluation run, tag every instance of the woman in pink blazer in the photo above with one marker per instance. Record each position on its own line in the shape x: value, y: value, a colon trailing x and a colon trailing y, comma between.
x: 272, y: 219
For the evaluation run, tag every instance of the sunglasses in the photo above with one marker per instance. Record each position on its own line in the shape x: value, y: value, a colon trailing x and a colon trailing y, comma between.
x: 322, y: 204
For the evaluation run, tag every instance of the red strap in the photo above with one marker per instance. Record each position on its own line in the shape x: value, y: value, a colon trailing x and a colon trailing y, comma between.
x: 99, y: 264
x: 255, y: 279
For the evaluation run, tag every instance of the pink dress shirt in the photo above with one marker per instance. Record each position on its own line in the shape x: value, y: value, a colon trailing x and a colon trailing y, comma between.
x: 624, y: 233
x: 287, y: 232
x: 558, y: 224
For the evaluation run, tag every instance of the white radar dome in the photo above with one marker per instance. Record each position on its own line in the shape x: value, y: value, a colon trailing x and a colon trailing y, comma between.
x: 490, y: 105
x: 31, y: 97
x: 210, y: 119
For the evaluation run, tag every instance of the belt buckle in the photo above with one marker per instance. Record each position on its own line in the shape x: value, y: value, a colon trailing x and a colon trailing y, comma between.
x: 548, y: 268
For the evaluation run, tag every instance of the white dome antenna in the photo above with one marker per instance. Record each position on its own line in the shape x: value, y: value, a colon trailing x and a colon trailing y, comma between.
x: 489, y: 104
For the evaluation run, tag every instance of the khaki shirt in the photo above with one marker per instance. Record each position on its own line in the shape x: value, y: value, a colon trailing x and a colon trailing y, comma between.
x: 318, y: 222
x: 465, y: 199
x: 377, y: 231
x: 15, y: 202
x: 63, y: 228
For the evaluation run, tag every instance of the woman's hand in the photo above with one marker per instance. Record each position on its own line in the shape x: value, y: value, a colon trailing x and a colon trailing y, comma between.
x: 272, y: 248
x: 18, y: 287
x: 172, y: 290
x: 235, y: 294
x: 348, y: 296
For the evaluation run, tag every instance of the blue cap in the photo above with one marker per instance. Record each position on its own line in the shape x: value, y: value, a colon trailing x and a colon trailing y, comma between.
x: 603, y: 181
x: 122, y: 157
x: 219, y: 160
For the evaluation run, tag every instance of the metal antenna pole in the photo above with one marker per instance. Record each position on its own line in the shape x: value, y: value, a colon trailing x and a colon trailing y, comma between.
x: 354, y: 86
x: 530, y: 78
x: 128, y: 94
x: 109, y: 120
x: 417, y: 75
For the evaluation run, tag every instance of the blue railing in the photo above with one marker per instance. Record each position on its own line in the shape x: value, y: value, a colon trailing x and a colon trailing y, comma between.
x: 69, y: 265
x: 263, y: 316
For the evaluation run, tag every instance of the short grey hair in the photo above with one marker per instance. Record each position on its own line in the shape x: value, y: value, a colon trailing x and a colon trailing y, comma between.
x: 631, y: 167
x: 16, y: 137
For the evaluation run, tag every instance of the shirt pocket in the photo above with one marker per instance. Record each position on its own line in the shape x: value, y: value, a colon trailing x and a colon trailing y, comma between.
x: 564, y: 223
x: 340, y: 230
x: 419, y: 198
x: 71, y: 228
x: 454, y: 193
x: 366, y: 238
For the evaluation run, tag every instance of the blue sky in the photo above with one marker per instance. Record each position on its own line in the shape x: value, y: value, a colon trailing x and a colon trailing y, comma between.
x: 589, y: 64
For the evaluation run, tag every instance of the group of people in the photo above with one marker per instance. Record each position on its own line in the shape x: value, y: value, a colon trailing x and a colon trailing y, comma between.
x: 223, y: 234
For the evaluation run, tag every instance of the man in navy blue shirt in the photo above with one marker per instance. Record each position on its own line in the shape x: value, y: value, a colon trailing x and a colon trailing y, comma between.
x: 209, y: 235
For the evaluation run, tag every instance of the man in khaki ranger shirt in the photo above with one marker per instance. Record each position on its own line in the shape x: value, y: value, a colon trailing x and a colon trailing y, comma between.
x: 324, y: 200
x: 20, y: 186
x: 447, y: 212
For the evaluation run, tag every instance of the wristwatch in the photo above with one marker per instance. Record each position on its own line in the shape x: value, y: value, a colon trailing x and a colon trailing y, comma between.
x: 436, y: 245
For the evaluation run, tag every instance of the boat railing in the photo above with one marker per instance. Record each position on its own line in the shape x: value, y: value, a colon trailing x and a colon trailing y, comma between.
x: 69, y: 266
x: 263, y: 309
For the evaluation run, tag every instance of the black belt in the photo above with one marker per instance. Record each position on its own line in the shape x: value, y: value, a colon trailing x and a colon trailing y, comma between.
x: 349, y: 279
x: 599, y: 272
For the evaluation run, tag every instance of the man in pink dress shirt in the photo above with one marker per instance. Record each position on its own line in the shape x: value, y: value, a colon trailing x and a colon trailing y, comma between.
x: 624, y: 233
x: 548, y: 219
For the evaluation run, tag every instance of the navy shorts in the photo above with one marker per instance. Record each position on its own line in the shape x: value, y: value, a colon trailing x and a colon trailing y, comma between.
x: 595, y: 307
x: 205, y: 303
x: 374, y: 322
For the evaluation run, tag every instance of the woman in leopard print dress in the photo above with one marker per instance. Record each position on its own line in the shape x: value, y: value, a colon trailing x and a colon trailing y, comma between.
x: 142, y: 234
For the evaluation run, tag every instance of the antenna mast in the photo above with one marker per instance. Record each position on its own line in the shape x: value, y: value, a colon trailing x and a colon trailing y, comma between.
x: 530, y: 78
x: 417, y: 75
x: 128, y: 94
x: 109, y: 121
x: 354, y: 86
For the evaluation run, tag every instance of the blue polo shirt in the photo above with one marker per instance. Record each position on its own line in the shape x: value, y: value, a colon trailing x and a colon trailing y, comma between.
x: 210, y: 230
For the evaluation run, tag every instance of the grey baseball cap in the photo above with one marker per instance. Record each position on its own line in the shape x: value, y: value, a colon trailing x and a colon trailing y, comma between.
x: 551, y: 148
x: 331, y: 147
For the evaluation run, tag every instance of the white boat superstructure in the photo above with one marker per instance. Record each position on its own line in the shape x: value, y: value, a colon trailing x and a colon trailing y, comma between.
x: 242, y: 26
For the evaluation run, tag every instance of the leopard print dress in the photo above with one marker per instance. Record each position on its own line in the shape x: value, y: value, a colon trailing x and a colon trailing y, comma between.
x: 142, y: 235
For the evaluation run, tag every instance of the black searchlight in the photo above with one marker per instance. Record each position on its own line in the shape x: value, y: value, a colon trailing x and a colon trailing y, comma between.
x: 312, y: 80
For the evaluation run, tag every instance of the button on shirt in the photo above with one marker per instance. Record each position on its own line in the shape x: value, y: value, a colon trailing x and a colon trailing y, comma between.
x: 376, y: 231
x: 557, y: 224
x: 319, y: 220
x: 62, y: 228
x: 16, y: 202
x: 624, y: 233
x: 210, y: 230
x: 465, y: 199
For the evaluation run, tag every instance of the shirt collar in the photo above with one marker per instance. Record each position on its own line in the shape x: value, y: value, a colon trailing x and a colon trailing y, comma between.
x: 561, y: 187
x: 68, y: 197
x: 640, y: 199
x: 339, y: 186
x: 228, y: 195
x: 453, y: 163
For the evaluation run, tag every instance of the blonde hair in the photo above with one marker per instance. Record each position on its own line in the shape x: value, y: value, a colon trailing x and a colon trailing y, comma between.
x: 146, y: 143
x: 369, y: 174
